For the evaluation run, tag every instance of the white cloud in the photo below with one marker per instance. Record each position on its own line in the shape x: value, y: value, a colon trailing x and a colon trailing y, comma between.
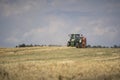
x: 12, y: 40
x: 21, y: 6
x: 71, y: 5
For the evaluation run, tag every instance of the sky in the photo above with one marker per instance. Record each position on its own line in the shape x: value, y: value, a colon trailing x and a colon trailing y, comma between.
x: 50, y: 21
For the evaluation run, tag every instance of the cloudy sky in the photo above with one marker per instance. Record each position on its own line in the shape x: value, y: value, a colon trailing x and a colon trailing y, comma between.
x: 50, y: 21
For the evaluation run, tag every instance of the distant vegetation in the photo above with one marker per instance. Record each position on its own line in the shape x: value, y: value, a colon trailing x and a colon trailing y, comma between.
x: 100, y: 46
x: 31, y: 45
x: 88, y: 46
x: 97, y: 46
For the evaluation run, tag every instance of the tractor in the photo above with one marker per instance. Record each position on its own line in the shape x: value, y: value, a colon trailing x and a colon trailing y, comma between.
x: 77, y: 40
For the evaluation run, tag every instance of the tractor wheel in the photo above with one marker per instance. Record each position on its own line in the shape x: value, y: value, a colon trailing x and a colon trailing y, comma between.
x: 68, y: 44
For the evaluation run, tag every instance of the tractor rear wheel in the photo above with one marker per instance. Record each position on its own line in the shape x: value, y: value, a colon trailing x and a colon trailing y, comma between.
x: 68, y: 44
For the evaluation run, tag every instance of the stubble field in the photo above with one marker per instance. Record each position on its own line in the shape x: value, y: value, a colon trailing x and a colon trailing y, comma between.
x: 59, y: 63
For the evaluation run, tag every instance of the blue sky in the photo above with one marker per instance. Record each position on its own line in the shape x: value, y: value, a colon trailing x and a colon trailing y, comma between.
x: 50, y: 21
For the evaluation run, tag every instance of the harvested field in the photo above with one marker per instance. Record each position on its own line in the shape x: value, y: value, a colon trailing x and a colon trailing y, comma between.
x: 59, y: 63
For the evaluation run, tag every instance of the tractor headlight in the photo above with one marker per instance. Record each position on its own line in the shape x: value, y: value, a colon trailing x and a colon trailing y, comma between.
x: 73, y: 40
x: 80, y: 40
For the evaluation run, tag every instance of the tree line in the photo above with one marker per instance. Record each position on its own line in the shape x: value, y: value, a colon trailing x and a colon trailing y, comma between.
x: 88, y: 46
x: 100, y: 46
x: 36, y: 45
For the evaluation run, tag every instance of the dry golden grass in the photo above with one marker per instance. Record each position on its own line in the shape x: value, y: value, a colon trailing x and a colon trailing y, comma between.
x: 59, y: 63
